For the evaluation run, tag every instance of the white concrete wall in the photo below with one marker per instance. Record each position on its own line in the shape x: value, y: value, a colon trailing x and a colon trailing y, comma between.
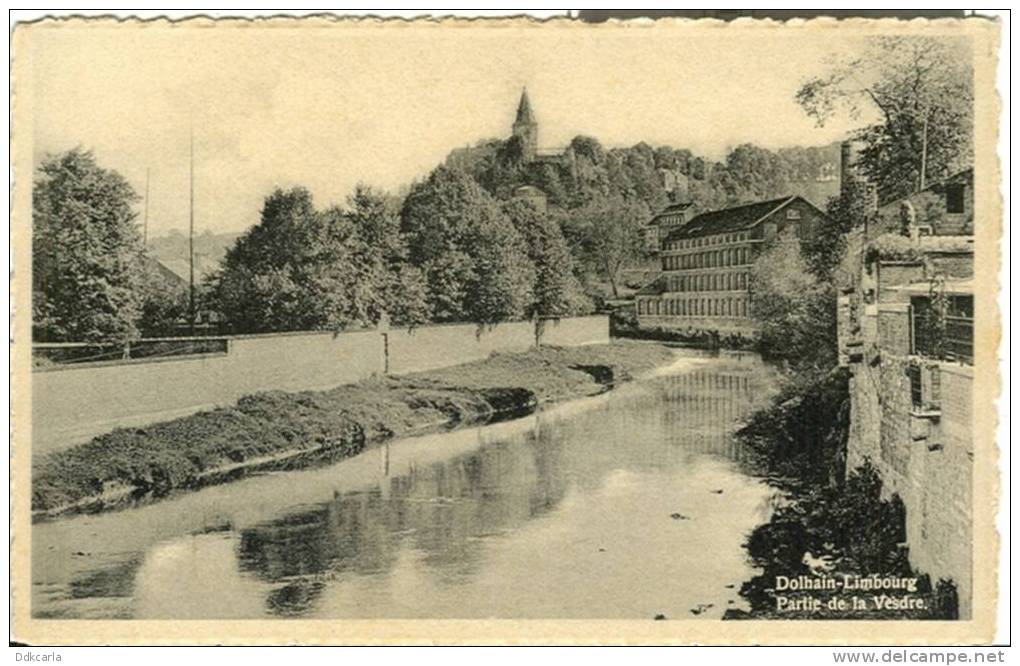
x: 71, y: 404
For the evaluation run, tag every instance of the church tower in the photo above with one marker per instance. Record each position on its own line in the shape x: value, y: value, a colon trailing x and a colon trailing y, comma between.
x: 526, y: 128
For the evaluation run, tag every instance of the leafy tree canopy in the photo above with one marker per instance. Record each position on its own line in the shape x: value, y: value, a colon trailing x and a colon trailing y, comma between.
x: 475, y: 263
x: 796, y: 310
x: 920, y: 89
x: 302, y: 269
x: 87, y: 253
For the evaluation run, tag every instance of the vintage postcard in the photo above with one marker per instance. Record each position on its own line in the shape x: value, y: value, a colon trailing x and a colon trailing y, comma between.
x: 364, y: 331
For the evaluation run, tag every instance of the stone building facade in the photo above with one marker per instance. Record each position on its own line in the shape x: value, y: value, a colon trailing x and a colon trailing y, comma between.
x: 670, y: 218
x: 905, y: 326
x: 706, y: 266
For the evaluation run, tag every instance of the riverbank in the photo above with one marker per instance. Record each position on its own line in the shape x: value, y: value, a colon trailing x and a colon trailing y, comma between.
x: 832, y: 529
x: 624, y: 327
x: 275, y: 429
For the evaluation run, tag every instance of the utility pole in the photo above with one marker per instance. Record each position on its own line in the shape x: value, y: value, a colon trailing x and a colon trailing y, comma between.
x: 924, y: 148
x: 191, y: 236
x: 145, y: 219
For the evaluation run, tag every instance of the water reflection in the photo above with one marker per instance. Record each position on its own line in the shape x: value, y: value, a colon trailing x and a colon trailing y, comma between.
x: 565, y: 513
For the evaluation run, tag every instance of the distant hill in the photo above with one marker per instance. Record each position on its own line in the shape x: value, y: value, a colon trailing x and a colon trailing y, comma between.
x: 172, y: 251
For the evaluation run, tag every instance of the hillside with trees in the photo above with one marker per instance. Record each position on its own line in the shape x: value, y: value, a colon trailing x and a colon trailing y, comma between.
x: 602, y: 197
x: 586, y: 171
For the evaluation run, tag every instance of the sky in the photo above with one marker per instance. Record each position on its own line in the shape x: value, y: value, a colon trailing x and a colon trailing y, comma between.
x: 382, y: 104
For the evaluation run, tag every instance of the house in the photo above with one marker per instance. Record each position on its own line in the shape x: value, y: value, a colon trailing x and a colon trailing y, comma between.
x: 905, y: 322
x: 706, y: 265
x: 163, y: 276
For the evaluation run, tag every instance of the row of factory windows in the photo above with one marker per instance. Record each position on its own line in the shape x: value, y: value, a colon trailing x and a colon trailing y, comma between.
x: 707, y: 282
x: 734, y: 256
x: 706, y: 241
x: 693, y: 307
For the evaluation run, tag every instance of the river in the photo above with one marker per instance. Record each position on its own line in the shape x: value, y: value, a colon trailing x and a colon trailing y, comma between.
x: 629, y: 504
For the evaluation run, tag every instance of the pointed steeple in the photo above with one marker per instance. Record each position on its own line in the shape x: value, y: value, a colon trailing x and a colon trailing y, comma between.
x: 524, y: 114
x: 526, y: 128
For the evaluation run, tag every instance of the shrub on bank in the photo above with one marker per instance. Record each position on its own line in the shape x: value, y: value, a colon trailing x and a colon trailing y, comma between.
x: 689, y: 337
x: 801, y: 437
x: 855, y: 530
x: 799, y: 442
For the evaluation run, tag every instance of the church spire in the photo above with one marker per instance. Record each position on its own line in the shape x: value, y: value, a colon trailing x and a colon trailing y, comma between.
x: 526, y: 128
x: 524, y: 114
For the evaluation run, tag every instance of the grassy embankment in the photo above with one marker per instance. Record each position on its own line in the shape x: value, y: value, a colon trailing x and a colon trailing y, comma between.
x: 275, y: 428
x: 799, y: 444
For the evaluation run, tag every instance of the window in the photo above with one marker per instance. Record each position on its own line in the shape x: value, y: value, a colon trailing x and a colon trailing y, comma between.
x: 954, y: 198
x: 946, y: 335
x: 792, y: 214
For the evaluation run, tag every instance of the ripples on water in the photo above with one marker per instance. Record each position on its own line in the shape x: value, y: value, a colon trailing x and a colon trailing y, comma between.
x: 624, y: 505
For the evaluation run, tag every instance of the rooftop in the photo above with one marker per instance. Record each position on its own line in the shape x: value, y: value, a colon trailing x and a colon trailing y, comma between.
x: 963, y: 173
x: 672, y: 209
x: 730, y: 219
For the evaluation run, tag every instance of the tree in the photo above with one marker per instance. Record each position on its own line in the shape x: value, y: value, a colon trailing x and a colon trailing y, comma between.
x: 286, y: 272
x: 86, y: 252
x: 796, y: 310
x: 556, y: 290
x: 474, y: 262
x: 922, y: 91
x: 608, y: 232
x: 501, y: 283
x: 302, y: 269
x: 824, y: 249
x: 386, y: 282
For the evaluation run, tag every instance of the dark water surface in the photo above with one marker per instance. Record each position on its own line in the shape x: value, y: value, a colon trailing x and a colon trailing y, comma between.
x: 624, y: 505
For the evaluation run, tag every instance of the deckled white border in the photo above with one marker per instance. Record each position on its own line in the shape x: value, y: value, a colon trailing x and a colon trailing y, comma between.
x: 636, y: 632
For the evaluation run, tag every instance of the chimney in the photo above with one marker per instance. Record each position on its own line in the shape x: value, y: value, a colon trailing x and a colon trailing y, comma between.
x: 851, y: 177
x: 849, y: 157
